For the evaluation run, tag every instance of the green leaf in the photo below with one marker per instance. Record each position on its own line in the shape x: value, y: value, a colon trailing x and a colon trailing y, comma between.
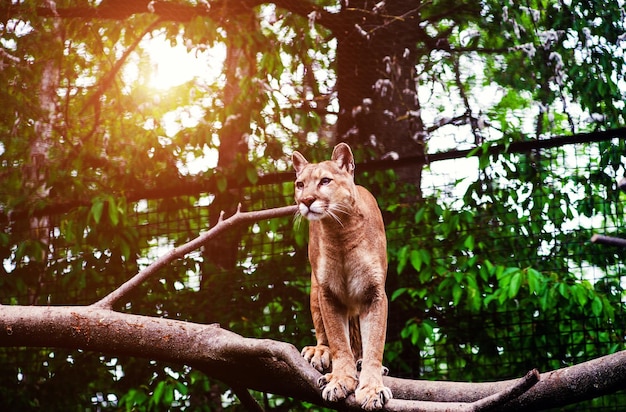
x: 114, y: 217
x: 516, y: 283
x: 428, y: 327
x: 182, y: 388
x: 502, y: 273
x: 489, y: 298
x: 469, y: 242
x: 534, y: 280
x: 222, y: 183
x: 402, y: 258
x: 580, y: 294
x: 97, y: 208
x: 252, y: 175
x: 416, y: 259
x: 490, y: 267
x: 397, y: 293
x: 133, y: 398
x: 412, y: 331
x: 419, y: 215
x: 596, y: 306
x: 425, y: 256
x: 158, y: 393
x: 457, y: 293
x: 168, y: 395
x: 125, y: 249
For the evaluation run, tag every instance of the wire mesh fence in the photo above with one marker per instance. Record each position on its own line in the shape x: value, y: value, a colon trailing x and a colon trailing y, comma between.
x: 255, y: 280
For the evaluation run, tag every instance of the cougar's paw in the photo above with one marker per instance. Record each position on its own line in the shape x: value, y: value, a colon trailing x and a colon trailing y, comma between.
x: 318, y: 356
x: 372, y: 396
x: 336, y: 387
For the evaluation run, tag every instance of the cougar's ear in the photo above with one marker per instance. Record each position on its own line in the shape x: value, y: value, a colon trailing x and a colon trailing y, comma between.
x: 342, y: 155
x: 299, y: 162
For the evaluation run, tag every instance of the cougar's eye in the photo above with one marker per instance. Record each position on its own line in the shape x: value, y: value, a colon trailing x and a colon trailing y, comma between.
x: 299, y: 185
x: 325, y: 181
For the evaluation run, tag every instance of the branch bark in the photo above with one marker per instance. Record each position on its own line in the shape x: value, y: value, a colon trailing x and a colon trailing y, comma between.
x: 166, y: 10
x: 217, y: 10
x: 277, y: 367
x: 608, y: 240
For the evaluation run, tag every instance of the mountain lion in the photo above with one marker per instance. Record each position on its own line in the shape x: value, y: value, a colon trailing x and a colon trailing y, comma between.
x: 348, y: 255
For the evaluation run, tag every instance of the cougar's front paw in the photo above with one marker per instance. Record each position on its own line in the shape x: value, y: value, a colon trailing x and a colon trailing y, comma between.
x: 372, y: 396
x: 336, y: 387
x: 318, y: 356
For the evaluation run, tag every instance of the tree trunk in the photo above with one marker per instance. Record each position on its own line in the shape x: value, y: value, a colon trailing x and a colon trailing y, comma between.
x: 37, y: 167
x: 240, y: 65
x: 376, y: 81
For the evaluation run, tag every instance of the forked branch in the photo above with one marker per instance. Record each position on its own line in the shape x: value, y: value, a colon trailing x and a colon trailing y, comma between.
x: 222, y: 225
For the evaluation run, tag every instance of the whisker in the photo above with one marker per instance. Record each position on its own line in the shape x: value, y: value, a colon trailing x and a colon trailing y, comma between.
x: 332, y: 214
x: 297, y: 219
x: 344, y: 211
x: 341, y: 208
x: 341, y: 205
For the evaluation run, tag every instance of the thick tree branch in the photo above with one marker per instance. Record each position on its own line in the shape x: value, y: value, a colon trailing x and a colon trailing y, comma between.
x: 222, y: 225
x: 119, y: 10
x: 277, y: 367
x: 252, y: 363
x: 560, y: 387
x: 166, y: 10
x: 179, y: 12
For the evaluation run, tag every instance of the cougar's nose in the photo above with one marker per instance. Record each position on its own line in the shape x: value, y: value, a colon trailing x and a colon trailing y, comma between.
x: 308, y: 201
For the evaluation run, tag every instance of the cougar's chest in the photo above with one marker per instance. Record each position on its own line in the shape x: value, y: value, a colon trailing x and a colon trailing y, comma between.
x: 340, y: 263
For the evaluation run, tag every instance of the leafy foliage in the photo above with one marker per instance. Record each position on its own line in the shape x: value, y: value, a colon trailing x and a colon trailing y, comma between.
x: 512, y: 259
x: 502, y: 250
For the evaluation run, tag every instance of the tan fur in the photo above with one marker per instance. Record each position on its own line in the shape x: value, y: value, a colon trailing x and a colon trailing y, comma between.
x: 348, y: 254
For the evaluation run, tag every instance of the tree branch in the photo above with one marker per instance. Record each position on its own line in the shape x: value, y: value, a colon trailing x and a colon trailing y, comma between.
x: 277, y: 367
x: 608, y: 240
x: 166, y: 10
x: 222, y: 225
x: 508, y: 394
x: 179, y: 12
x: 107, y: 79
x: 258, y: 364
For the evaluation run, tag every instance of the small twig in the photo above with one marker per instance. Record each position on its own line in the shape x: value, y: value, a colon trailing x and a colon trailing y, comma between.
x: 514, y: 391
x: 246, y: 399
x: 608, y: 240
x: 468, y: 107
x: 498, y: 399
x: 221, y: 226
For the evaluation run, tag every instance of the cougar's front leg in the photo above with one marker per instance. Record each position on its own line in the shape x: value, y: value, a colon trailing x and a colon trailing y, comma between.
x: 318, y: 356
x: 342, y: 381
x: 372, y: 393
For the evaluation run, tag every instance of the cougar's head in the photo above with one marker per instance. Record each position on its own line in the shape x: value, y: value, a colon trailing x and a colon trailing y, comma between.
x: 326, y: 189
